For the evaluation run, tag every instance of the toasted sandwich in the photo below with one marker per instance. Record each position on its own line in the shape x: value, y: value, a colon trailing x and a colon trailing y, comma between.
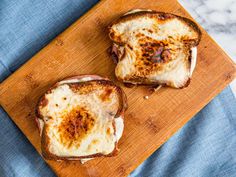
x: 154, y: 48
x: 80, y: 118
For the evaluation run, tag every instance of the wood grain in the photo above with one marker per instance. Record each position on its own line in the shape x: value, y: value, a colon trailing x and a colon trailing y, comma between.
x: 82, y: 49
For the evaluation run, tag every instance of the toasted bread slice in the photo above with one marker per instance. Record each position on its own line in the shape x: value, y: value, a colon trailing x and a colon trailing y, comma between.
x: 81, y: 118
x: 154, y: 48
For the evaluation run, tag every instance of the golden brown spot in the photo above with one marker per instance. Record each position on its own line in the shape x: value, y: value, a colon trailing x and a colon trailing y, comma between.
x: 108, y: 131
x: 64, y: 98
x: 152, y: 56
x: 56, y: 105
x: 95, y: 141
x: 91, y: 145
x: 81, y: 90
x: 139, y: 35
x: 75, y: 125
x: 105, y: 96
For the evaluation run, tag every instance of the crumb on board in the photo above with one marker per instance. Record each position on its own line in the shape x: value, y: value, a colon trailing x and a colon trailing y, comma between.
x: 157, y: 88
x: 152, y: 90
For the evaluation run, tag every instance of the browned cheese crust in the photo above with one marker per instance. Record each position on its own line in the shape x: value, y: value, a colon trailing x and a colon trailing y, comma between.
x: 147, y: 63
x: 86, y: 122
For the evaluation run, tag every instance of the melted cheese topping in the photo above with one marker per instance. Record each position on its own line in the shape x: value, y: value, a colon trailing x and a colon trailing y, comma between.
x: 174, y: 74
x: 119, y: 123
x: 175, y: 71
x: 179, y: 74
x: 101, y: 137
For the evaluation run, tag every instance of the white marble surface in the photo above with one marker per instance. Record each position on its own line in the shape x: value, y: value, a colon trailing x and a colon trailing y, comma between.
x: 218, y: 18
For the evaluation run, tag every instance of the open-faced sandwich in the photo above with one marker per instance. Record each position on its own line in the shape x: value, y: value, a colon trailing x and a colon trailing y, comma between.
x: 154, y: 48
x: 80, y: 118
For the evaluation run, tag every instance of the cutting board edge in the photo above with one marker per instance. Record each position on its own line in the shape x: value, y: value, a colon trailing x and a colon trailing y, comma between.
x: 213, y: 40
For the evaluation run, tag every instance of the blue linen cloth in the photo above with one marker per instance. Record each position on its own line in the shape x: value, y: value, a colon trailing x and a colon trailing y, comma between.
x: 205, y: 146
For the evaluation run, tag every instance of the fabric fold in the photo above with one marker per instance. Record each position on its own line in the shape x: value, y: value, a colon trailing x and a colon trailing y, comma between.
x: 4, y: 72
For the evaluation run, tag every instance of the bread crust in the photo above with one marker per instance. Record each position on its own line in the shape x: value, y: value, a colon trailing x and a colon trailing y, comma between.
x: 44, y: 138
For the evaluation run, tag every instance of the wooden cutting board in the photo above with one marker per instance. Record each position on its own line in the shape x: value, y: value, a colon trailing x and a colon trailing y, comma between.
x: 82, y: 49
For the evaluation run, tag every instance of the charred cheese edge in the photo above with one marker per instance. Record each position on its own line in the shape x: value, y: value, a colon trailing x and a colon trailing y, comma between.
x: 104, y: 129
x: 140, y: 33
